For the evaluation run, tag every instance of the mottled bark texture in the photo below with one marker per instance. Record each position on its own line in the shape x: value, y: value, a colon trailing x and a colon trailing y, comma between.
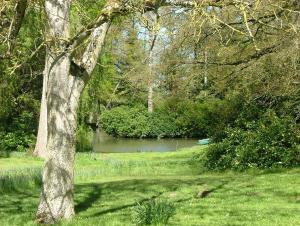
x: 64, y: 81
x: 83, y: 69
x: 56, y: 201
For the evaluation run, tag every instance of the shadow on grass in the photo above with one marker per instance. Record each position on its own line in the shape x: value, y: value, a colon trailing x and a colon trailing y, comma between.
x: 95, y: 195
x: 117, y: 197
x: 4, y: 154
x: 98, y: 199
x: 112, y: 210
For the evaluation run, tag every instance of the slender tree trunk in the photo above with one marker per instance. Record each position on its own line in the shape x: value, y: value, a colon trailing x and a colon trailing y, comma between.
x: 150, y: 91
x: 151, y: 63
x: 151, y: 76
x: 41, y: 142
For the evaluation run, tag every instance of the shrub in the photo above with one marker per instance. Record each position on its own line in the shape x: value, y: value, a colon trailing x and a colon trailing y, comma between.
x: 268, y: 142
x: 162, y: 125
x: 173, y: 118
x: 126, y: 121
x: 19, y: 135
x: 153, y: 212
x: 135, y: 121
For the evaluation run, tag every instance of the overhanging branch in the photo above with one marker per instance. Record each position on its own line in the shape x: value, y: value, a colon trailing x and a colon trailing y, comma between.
x: 115, y: 8
x: 255, y: 56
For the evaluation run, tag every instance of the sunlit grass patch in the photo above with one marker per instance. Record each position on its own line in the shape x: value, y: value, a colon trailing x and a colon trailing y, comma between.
x: 109, y: 186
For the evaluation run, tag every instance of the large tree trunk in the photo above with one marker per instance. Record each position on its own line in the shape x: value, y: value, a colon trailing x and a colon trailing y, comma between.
x: 66, y: 80
x: 88, y: 63
x: 56, y: 201
x: 62, y: 101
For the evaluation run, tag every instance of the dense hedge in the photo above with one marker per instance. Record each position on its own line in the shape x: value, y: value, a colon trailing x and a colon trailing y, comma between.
x: 173, y: 118
x: 135, y: 121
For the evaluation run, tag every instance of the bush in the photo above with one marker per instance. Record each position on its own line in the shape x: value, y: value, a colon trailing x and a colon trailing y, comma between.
x: 16, y: 141
x: 135, y: 121
x: 205, y: 118
x: 162, y: 125
x: 153, y: 212
x: 19, y: 135
x: 126, y: 122
x: 175, y: 118
x: 268, y: 142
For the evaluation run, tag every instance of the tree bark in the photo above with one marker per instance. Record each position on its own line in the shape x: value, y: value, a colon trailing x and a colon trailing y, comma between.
x: 56, y: 200
x: 87, y: 63
x: 41, y: 142
x: 16, y: 23
x: 150, y: 86
x: 65, y: 81
x: 153, y: 35
x: 151, y: 75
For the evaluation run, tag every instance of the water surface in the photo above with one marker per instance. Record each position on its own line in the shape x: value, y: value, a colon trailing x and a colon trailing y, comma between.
x: 108, y: 144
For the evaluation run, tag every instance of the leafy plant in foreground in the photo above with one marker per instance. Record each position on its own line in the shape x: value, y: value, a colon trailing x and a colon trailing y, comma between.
x: 153, y: 212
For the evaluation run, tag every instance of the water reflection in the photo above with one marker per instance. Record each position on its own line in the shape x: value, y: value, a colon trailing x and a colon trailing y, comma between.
x: 107, y: 144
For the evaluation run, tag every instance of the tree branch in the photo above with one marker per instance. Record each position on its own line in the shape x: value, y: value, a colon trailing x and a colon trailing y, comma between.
x: 16, y: 23
x: 250, y: 58
x: 115, y: 8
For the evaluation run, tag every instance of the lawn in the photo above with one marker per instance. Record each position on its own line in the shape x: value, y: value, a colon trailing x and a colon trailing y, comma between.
x: 108, y: 186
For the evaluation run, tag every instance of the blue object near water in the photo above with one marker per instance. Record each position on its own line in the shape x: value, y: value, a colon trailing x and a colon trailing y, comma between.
x: 204, y: 141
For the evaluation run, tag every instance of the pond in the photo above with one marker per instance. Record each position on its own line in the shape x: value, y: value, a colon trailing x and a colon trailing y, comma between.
x: 108, y: 144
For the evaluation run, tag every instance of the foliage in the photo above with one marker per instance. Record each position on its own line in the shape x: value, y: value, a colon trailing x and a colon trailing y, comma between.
x: 153, y: 212
x: 84, y: 137
x: 173, y: 118
x: 18, y: 135
x: 126, y: 121
x: 135, y: 121
x: 21, y: 84
x: 270, y: 141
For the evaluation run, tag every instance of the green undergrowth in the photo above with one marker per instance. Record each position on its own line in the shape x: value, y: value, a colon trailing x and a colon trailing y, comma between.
x: 109, y: 188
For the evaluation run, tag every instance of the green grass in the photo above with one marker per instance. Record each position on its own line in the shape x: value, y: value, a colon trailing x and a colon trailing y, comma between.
x: 109, y: 186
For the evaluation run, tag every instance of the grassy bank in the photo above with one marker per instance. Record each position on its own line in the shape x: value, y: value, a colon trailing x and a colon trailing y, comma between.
x: 108, y: 186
